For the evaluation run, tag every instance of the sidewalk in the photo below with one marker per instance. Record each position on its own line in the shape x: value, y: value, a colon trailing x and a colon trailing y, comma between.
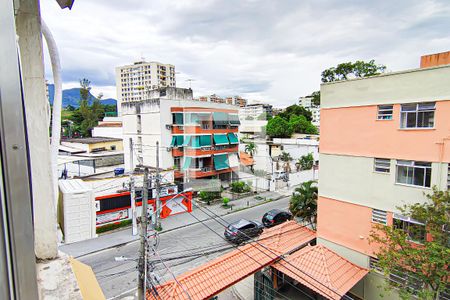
x: 124, y: 236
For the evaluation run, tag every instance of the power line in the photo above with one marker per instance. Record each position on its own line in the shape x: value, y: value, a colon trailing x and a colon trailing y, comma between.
x: 282, y: 258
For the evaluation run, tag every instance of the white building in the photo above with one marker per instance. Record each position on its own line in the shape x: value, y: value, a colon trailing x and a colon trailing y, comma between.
x: 307, y: 103
x: 197, y: 139
x: 134, y: 81
x: 110, y: 127
x: 255, y: 111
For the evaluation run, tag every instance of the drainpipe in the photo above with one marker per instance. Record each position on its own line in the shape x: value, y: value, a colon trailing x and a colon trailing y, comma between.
x: 57, y: 104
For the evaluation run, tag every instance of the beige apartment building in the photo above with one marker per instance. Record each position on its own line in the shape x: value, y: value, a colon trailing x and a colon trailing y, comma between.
x: 134, y: 81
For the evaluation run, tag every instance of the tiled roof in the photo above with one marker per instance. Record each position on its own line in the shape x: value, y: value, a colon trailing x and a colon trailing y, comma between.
x: 109, y: 124
x: 322, y: 270
x: 215, y: 276
x: 92, y: 140
x: 246, y: 159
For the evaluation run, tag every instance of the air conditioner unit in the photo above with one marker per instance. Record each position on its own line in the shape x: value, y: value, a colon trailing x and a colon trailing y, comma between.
x: 168, y: 126
x: 169, y: 149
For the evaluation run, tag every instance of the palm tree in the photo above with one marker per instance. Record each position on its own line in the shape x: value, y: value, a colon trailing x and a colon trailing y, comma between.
x: 250, y: 148
x: 286, y: 158
x: 303, y: 203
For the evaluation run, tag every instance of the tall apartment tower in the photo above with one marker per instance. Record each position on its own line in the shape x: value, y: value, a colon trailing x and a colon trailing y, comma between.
x: 384, y: 142
x: 134, y: 81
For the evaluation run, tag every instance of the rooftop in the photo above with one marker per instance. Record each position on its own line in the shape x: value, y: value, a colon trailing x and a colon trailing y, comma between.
x: 92, y: 140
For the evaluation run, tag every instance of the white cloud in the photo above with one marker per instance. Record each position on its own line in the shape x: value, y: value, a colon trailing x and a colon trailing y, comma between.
x: 261, y: 49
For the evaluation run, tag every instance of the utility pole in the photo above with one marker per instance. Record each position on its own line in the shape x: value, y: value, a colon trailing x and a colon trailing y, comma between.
x: 134, y: 230
x: 156, y: 221
x: 142, y: 252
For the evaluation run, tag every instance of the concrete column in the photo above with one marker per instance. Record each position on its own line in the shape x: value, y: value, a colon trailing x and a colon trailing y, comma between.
x: 28, y: 27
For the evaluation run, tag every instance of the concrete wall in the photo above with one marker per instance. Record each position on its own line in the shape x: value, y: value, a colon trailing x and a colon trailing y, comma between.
x: 352, y: 179
x: 399, y: 87
x: 112, y: 132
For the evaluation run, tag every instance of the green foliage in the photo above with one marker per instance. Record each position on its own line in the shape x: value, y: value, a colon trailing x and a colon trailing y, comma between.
x: 278, y: 127
x: 250, y: 148
x: 299, y: 124
x: 358, y: 69
x: 240, y: 187
x: 209, y: 196
x: 316, y: 98
x: 225, y: 201
x: 295, y: 110
x: 305, y: 162
x: 286, y: 158
x: 303, y: 203
x: 70, y: 108
x: 113, y: 226
x: 427, y: 262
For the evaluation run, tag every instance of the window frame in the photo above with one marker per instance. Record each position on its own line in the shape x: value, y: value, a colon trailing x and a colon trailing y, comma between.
x: 411, y: 167
x: 416, y: 112
x: 408, y: 221
x: 383, y: 109
x: 382, y: 160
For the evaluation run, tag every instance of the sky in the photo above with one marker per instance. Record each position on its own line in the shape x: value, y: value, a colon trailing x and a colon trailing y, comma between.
x: 264, y: 50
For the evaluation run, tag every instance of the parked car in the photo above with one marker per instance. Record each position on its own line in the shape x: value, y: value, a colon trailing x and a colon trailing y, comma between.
x: 275, y: 217
x: 243, y: 230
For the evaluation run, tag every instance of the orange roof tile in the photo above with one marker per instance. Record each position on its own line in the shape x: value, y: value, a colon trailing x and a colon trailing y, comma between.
x: 215, y: 276
x: 246, y: 160
x: 324, y: 271
x: 109, y: 124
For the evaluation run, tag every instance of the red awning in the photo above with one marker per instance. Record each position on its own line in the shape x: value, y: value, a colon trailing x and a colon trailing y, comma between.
x: 321, y: 270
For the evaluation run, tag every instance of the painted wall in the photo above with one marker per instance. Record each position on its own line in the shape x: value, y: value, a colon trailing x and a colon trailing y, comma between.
x: 355, y: 131
x: 433, y: 60
x: 346, y: 224
x: 352, y: 179
x: 107, y: 145
x: 416, y: 85
x: 112, y: 132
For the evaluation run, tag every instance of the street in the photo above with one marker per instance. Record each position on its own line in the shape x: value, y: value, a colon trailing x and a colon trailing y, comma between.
x: 182, y: 250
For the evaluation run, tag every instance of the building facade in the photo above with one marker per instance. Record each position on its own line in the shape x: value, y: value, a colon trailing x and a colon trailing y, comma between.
x: 307, y: 102
x: 255, y: 111
x: 233, y: 100
x: 385, y: 142
x: 197, y: 139
x: 134, y: 81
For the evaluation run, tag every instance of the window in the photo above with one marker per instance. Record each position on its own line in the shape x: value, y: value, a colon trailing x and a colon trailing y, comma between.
x: 113, y: 147
x: 382, y: 165
x: 408, y: 279
x: 418, y: 115
x: 373, y: 264
x: 379, y: 216
x: 414, y: 229
x: 385, y: 112
x: 414, y: 173
x: 448, y: 178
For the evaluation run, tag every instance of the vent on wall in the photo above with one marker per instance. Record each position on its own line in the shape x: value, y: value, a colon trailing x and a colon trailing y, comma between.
x: 379, y: 216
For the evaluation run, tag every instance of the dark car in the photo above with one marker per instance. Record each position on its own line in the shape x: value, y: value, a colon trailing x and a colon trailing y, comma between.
x: 243, y: 230
x: 275, y: 217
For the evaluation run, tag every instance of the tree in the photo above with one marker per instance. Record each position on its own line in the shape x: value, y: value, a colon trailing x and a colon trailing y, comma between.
x: 425, y: 263
x: 303, y: 202
x: 316, y: 97
x: 278, y: 127
x: 264, y: 116
x: 250, y: 148
x: 357, y: 69
x: 299, y: 124
x: 305, y: 162
x: 295, y: 110
x: 286, y: 158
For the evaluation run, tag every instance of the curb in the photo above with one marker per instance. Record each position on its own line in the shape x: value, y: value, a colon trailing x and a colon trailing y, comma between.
x: 175, y: 228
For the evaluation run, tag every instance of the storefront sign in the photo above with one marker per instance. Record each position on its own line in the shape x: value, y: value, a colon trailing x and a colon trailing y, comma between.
x: 112, y: 216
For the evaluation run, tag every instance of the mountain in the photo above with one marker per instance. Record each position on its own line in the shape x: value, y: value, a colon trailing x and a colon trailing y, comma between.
x: 72, y: 97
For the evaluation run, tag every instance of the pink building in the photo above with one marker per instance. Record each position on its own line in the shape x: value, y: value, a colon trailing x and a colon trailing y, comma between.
x: 385, y: 141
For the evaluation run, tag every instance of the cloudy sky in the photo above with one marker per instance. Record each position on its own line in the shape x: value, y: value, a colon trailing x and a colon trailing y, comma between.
x: 266, y: 50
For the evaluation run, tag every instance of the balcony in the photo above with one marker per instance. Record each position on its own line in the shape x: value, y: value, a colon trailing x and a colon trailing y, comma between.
x: 182, y: 151
x: 202, y: 172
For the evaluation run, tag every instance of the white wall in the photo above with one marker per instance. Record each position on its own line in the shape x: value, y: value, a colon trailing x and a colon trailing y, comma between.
x: 112, y: 132
x: 369, y: 188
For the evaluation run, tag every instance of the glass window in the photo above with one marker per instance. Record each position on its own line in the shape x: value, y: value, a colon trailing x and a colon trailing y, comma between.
x: 382, y: 165
x: 414, y: 229
x: 414, y: 173
x: 419, y: 115
x: 385, y: 112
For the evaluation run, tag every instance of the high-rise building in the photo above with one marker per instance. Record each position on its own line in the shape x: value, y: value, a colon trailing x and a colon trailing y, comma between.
x: 233, y: 100
x: 198, y: 139
x: 384, y: 143
x: 134, y: 81
x: 257, y: 111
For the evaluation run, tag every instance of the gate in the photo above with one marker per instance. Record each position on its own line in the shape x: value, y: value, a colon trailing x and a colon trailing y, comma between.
x: 263, y: 286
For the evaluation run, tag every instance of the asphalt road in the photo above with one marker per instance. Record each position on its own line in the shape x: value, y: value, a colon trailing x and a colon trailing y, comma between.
x: 182, y: 250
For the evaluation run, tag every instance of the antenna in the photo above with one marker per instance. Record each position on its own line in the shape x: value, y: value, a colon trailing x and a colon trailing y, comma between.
x: 190, y: 81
